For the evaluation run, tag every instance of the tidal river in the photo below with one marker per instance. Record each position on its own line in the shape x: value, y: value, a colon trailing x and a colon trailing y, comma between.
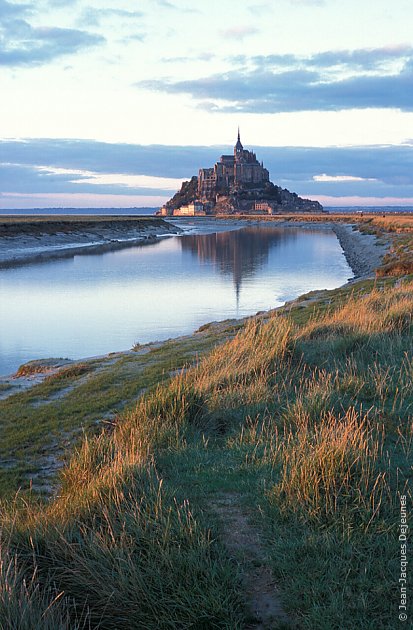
x: 93, y: 304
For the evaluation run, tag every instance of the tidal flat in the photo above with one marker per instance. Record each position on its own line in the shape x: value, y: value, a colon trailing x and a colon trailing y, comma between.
x: 160, y: 486
x: 32, y: 239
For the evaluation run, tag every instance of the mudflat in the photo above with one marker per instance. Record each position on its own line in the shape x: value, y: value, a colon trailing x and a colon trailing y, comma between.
x: 32, y: 239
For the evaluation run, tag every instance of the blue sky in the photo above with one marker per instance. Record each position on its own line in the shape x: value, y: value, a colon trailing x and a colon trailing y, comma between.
x: 114, y: 104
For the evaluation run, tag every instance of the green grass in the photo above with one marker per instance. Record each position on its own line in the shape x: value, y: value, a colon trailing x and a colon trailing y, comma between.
x: 83, y: 397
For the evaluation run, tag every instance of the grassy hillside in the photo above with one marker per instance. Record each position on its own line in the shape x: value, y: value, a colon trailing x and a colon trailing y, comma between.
x: 257, y: 487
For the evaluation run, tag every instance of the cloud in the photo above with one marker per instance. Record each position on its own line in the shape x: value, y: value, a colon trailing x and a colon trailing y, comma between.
x: 39, y: 179
x: 342, y: 178
x: 205, y: 56
x: 239, y: 32
x: 166, y: 4
x: 329, y: 81
x: 24, y: 45
x: 79, y: 176
x: 319, y: 3
x: 88, y: 167
x: 101, y: 157
x: 137, y: 37
x: 336, y: 62
x: 7, y: 10
x: 260, y: 9
x: 390, y: 166
x: 93, y: 16
x: 363, y: 58
x: 170, y: 5
x: 62, y: 3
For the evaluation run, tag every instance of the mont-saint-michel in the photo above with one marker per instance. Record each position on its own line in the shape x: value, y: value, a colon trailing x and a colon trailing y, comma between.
x: 236, y: 184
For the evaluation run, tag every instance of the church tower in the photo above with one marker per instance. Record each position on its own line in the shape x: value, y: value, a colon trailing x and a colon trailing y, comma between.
x: 238, y: 149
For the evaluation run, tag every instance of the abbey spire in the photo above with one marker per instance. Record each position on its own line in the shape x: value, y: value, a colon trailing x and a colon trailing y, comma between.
x: 238, y: 147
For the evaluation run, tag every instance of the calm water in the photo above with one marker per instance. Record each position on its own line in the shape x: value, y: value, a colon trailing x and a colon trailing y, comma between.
x: 91, y: 305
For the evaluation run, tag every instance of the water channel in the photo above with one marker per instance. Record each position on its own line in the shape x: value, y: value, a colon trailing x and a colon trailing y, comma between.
x: 89, y: 305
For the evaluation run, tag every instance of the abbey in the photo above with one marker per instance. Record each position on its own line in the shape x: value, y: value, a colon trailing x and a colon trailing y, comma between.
x: 237, y: 184
x: 231, y: 174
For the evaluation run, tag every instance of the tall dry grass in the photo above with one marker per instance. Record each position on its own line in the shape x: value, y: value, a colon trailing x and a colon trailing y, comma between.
x: 330, y: 471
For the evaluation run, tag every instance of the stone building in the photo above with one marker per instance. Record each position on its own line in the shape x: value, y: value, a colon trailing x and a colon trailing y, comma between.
x: 193, y: 209
x: 264, y: 206
x: 231, y: 174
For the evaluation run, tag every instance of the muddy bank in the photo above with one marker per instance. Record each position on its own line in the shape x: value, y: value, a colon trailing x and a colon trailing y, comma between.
x: 363, y: 252
x: 28, y: 241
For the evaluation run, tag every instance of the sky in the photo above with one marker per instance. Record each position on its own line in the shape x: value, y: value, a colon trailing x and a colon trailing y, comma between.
x: 114, y: 104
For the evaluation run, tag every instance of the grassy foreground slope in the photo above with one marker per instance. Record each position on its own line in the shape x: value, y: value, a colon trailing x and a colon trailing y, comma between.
x: 301, y: 424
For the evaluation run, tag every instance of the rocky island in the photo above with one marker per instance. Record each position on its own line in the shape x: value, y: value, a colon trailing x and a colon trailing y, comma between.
x: 237, y: 184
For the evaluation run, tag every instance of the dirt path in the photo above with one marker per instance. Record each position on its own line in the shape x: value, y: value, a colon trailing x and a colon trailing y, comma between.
x: 244, y: 543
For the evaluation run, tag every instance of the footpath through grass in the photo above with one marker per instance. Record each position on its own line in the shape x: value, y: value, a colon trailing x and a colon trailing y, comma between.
x: 303, y: 419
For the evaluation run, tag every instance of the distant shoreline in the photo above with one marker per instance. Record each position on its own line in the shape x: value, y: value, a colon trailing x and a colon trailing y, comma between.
x: 25, y: 240
x: 147, y: 211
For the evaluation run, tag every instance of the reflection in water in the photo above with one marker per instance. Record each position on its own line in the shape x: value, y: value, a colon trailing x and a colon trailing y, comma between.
x: 240, y: 253
x: 94, y: 304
